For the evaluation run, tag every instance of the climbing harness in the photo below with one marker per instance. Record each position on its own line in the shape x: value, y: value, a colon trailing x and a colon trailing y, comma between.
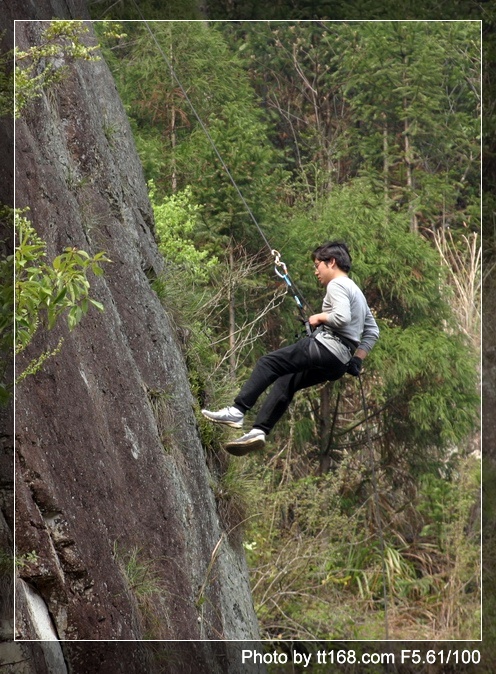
x: 280, y: 267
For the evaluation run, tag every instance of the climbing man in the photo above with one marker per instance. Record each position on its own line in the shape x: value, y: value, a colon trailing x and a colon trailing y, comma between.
x: 343, y: 334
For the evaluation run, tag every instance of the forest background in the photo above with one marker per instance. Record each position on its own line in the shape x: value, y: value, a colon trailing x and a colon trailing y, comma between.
x: 368, y: 132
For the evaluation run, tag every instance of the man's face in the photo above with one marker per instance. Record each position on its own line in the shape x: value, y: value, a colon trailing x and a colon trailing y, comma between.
x: 324, y: 271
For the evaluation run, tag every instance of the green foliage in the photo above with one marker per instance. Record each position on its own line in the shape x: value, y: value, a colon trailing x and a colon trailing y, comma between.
x: 305, y: 112
x: 396, y: 101
x: 176, y: 220
x: 451, y: 510
x: 161, y: 116
x: 319, y: 570
x: 421, y: 135
x: 175, y: 151
x: 45, y: 64
x: 111, y: 31
x: 6, y: 83
x: 9, y: 561
x: 140, y: 576
x: 23, y: 560
x: 240, y: 136
x: 46, y: 292
x: 427, y: 370
x: 430, y: 380
x: 41, y: 294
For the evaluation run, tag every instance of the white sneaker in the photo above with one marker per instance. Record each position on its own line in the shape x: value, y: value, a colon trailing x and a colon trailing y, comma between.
x: 230, y: 416
x: 249, y: 442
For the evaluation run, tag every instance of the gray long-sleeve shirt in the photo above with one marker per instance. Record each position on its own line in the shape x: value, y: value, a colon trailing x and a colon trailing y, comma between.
x: 349, y: 315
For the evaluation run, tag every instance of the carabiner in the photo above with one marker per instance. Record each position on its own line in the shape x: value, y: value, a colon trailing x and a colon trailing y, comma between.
x: 279, y: 263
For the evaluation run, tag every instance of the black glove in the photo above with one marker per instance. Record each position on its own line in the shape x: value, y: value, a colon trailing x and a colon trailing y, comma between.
x: 354, y: 366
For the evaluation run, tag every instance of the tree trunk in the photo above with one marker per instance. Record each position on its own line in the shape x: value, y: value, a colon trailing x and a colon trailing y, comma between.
x: 173, y: 131
x: 409, y: 176
x: 232, y: 318
x: 385, y: 152
x: 408, y: 158
x: 327, y: 424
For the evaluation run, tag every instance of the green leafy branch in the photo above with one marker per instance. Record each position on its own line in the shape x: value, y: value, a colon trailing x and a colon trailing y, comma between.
x: 44, y: 292
x: 46, y: 63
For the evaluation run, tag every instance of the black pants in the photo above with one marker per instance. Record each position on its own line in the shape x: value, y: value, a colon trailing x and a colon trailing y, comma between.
x: 290, y: 369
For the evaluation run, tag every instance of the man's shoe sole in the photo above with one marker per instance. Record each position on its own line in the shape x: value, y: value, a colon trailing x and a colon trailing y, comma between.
x: 232, y: 424
x: 238, y: 449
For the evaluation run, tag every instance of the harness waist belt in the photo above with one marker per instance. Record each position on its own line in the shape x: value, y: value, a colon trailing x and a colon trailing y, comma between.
x: 349, y: 343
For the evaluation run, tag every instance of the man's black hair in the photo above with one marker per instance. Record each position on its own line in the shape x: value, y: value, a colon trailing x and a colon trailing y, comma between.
x: 334, y: 250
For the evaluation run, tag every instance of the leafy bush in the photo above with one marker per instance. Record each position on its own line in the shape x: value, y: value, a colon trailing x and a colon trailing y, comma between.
x: 46, y: 292
x: 176, y: 220
x: 319, y: 569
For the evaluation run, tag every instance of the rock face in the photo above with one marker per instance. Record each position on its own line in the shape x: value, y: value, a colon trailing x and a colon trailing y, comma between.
x: 116, y: 521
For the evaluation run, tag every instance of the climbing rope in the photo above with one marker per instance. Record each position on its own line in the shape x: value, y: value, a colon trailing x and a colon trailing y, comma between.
x: 279, y: 265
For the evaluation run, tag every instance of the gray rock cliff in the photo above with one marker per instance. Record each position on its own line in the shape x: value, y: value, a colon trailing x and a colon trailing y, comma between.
x: 100, y: 493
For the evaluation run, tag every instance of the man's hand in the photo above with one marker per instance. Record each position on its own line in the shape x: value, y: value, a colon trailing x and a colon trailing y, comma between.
x: 317, y: 319
x: 354, y: 366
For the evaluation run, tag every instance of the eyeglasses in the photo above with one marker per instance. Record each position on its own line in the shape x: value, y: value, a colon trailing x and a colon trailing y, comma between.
x: 316, y: 263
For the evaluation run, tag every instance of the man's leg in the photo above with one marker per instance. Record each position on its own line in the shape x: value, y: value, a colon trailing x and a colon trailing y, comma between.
x: 309, y: 359
x: 324, y: 366
x: 268, y: 368
x: 288, y: 360
x: 283, y: 390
